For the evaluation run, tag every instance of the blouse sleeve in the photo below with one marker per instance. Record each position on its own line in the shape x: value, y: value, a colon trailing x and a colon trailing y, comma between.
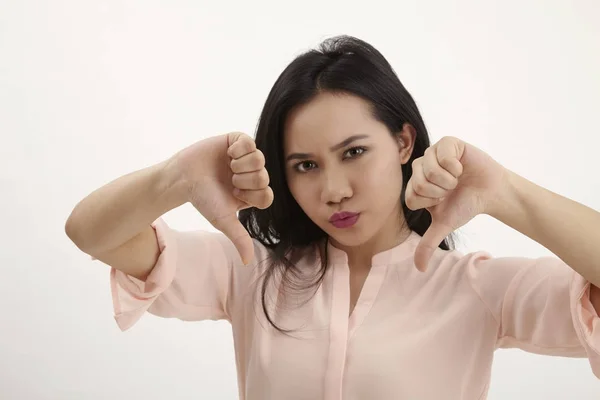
x: 195, y: 278
x: 541, y: 305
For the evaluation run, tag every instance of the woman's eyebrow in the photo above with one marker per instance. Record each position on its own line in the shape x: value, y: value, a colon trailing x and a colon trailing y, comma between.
x: 345, y: 142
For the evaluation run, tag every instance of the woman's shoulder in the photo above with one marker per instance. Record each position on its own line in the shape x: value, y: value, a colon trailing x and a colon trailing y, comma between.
x: 481, y: 265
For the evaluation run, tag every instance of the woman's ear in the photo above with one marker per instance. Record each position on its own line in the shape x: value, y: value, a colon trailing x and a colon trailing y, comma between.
x: 406, y: 142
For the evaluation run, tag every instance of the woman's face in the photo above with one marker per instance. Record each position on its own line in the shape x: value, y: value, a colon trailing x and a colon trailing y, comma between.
x: 339, y: 158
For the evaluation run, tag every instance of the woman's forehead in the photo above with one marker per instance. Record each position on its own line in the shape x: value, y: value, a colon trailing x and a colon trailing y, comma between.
x: 326, y: 121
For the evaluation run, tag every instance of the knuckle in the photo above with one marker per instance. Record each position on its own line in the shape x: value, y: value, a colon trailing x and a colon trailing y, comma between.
x: 266, y: 199
x: 262, y: 178
x: 443, y: 160
x: 258, y: 160
x: 432, y: 174
x: 261, y: 158
x: 446, y: 162
x: 453, y: 183
x: 243, y: 145
x: 234, y: 166
x: 248, y: 143
x: 418, y: 186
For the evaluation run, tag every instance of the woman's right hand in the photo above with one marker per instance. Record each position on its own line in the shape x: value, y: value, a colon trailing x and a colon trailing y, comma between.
x: 213, y: 171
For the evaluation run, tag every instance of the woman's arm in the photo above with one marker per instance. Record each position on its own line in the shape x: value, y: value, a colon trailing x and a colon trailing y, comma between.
x: 567, y: 228
x: 113, y: 223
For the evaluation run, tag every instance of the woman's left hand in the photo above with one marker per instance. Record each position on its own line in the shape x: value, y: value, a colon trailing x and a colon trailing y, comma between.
x: 454, y: 181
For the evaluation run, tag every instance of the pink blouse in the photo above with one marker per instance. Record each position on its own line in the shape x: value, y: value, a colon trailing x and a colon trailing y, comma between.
x: 411, y: 335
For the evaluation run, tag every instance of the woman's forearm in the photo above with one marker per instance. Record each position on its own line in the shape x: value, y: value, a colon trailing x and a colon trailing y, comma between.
x: 567, y: 228
x: 118, y: 211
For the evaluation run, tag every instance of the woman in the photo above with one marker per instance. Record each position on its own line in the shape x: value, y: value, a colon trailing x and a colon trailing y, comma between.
x: 339, y: 275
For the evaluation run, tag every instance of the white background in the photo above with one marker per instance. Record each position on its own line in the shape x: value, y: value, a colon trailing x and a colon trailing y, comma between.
x: 90, y: 91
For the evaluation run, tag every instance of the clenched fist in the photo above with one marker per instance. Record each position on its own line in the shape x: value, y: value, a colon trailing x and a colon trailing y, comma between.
x: 225, y: 174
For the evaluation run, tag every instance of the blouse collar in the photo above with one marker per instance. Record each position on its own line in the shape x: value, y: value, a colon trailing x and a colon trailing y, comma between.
x: 393, y: 255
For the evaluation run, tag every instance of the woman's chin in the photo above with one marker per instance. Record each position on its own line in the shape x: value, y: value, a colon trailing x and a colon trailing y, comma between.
x: 349, y: 239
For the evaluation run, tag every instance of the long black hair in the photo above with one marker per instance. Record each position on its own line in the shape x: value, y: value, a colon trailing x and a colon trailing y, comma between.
x: 342, y: 65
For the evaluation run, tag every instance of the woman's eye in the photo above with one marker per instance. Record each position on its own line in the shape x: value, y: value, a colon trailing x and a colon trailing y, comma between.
x: 356, y: 151
x: 304, y: 166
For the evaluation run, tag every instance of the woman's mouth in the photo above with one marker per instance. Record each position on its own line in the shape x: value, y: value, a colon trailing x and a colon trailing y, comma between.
x: 344, y: 219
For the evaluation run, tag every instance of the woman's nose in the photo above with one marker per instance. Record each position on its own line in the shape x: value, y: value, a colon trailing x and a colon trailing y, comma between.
x: 336, y: 187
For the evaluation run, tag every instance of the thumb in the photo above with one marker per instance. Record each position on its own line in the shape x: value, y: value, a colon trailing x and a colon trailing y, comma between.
x: 235, y: 231
x: 430, y: 241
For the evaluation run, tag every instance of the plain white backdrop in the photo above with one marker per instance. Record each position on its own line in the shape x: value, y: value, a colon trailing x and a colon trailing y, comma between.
x: 90, y: 91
